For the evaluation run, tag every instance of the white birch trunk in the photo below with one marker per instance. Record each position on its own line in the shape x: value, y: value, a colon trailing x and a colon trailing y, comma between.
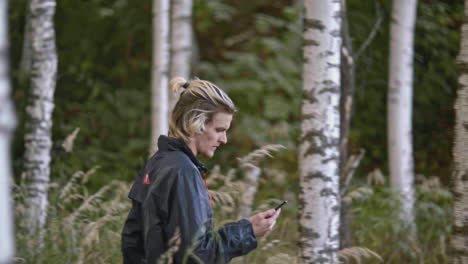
x: 251, y: 178
x: 25, y: 64
x: 181, y: 41
x: 7, y: 126
x: 159, y: 73
x: 459, y: 240
x: 38, y: 138
x: 319, y: 216
x: 399, y: 103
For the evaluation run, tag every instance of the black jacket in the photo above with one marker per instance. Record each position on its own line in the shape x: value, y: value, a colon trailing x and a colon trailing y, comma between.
x: 169, y: 193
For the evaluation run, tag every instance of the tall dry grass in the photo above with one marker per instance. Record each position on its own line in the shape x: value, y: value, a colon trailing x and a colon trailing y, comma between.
x: 81, y: 227
x: 85, y: 228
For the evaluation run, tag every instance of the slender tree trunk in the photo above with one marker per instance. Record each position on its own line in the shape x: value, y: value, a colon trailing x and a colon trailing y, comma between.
x: 7, y: 126
x: 25, y: 64
x: 347, y: 87
x: 38, y: 138
x: 159, y: 73
x: 399, y: 103
x: 319, y: 149
x: 181, y: 41
x: 346, y: 104
x: 459, y: 240
x: 251, y: 178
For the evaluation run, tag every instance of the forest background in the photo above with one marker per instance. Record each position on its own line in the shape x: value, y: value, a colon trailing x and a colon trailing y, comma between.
x: 252, y: 49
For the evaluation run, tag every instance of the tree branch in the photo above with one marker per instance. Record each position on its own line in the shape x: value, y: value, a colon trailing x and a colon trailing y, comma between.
x: 372, y: 34
x: 350, y: 168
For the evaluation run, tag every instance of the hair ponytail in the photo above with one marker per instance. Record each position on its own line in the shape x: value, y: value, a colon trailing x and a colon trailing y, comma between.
x: 177, y: 85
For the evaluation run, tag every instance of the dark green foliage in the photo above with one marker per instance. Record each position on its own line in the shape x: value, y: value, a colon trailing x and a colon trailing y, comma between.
x: 375, y: 226
x: 263, y: 76
x: 437, y: 39
x: 103, y: 85
x: 436, y: 83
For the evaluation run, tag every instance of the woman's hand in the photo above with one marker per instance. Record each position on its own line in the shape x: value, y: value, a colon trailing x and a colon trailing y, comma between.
x: 263, y: 222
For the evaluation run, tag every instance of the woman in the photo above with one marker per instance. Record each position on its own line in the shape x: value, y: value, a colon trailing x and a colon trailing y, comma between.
x: 169, y: 193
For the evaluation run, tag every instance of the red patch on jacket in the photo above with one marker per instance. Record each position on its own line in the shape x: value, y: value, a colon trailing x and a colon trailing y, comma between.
x: 147, y: 179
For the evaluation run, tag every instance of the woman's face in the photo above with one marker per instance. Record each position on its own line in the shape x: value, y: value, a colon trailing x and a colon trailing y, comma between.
x: 214, y: 135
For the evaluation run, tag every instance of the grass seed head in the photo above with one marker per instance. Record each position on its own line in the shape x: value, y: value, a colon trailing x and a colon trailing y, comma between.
x: 358, y: 254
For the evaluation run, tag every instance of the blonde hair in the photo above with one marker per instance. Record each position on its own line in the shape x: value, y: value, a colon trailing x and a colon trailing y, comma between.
x: 199, y: 101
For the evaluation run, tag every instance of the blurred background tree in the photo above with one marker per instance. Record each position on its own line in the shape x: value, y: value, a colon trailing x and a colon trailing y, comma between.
x: 459, y: 247
x: 400, y: 106
x: 160, y: 103
x: 40, y: 105
x: 7, y: 127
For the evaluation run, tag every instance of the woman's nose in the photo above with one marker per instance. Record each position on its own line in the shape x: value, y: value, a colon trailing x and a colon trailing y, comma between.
x: 223, y: 138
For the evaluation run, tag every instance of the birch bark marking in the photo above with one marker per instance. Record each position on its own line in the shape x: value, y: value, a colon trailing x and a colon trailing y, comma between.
x: 160, y: 70
x: 399, y: 103
x: 181, y: 42
x: 38, y: 138
x: 7, y: 126
x: 459, y: 240
x: 319, y: 215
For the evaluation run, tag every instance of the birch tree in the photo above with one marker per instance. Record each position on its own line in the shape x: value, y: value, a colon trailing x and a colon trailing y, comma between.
x: 7, y: 126
x: 38, y: 138
x: 319, y: 216
x: 399, y: 104
x: 159, y: 72
x: 181, y: 41
x: 459, y: 238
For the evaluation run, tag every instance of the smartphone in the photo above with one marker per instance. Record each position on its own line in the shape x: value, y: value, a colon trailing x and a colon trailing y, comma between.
x: 279, y: 206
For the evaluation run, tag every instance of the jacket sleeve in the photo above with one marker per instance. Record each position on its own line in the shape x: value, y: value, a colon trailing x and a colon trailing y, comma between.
x: 132, y: 239
x: 187, y: 208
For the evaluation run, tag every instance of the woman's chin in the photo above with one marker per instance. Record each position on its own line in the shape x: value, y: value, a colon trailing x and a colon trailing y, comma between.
x: 208, y: 154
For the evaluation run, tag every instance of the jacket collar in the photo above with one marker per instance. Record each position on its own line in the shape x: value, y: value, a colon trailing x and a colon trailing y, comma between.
x: 166, y: 143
